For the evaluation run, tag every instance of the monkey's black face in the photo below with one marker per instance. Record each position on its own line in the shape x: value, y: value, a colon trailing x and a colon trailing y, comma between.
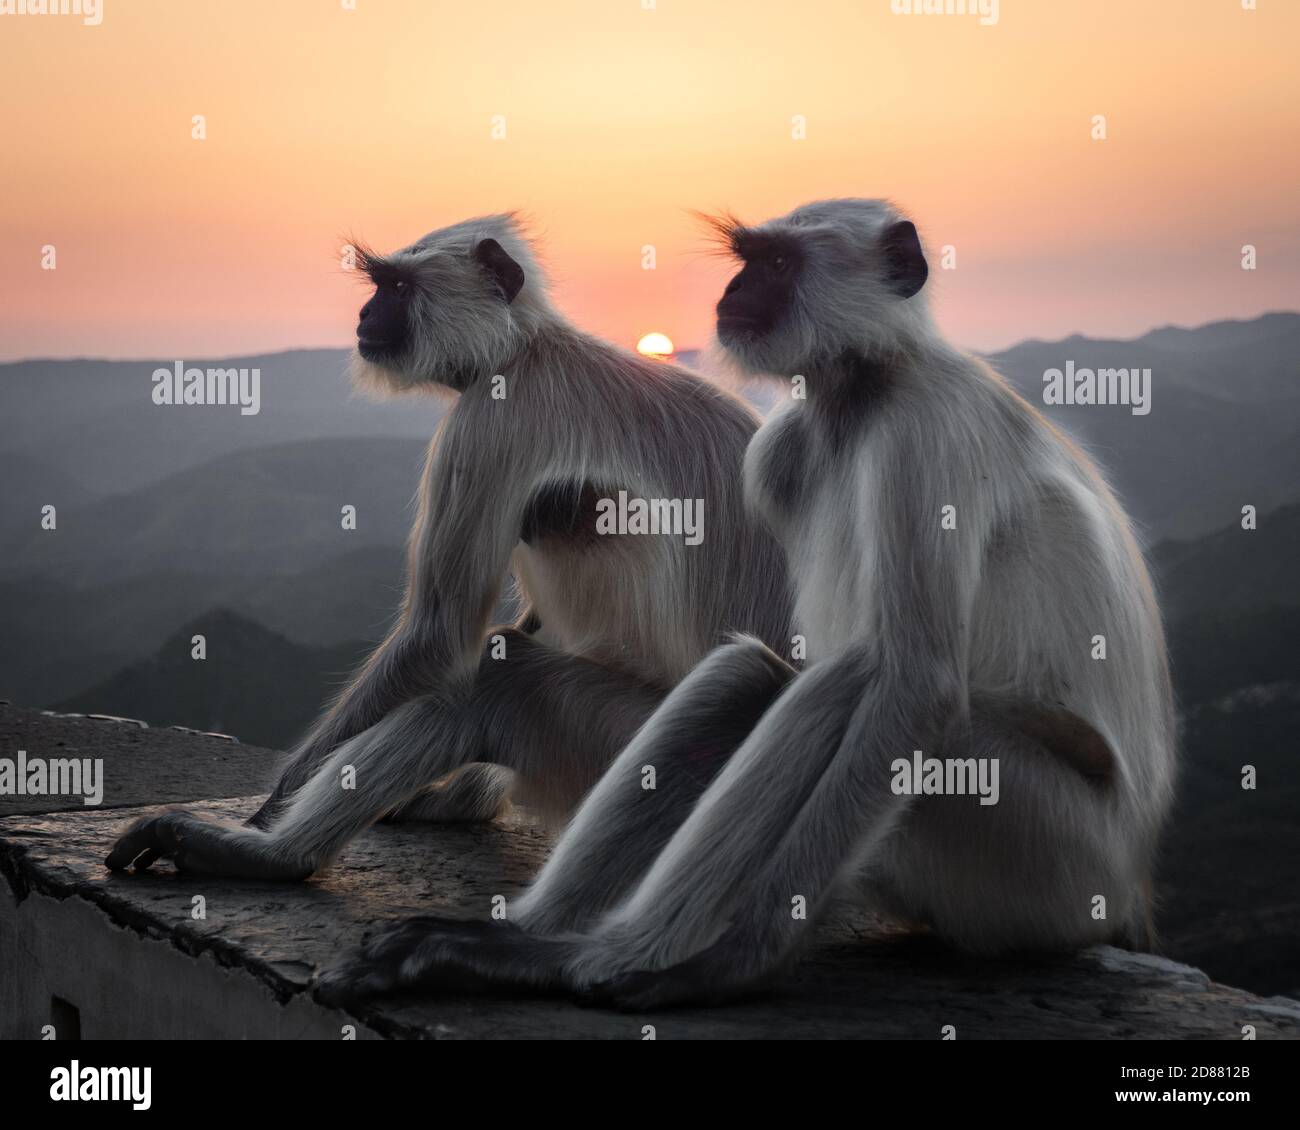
x: 382, y: 330
x: 758, y: 297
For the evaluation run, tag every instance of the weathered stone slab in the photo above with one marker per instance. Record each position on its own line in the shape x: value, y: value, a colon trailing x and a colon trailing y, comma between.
x: 153, y: 766
x: 126, y: 955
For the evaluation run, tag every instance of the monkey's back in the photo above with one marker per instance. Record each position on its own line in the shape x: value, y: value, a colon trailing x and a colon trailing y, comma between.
x: 1089, y: 634
x: 619, y: 423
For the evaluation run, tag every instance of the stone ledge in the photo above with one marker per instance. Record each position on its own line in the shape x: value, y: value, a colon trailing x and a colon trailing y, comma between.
x: 141, y: 766
x: 126, y: 955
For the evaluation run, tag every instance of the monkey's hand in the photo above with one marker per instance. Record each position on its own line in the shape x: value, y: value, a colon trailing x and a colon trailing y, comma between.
x: 198, y: 845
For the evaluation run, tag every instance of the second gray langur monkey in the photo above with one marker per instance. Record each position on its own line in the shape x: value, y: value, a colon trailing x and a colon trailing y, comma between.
x: 548, y: 422
x: 956, y: 564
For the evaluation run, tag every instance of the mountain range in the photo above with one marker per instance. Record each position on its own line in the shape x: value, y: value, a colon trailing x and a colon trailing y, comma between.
x: 1223, y: 426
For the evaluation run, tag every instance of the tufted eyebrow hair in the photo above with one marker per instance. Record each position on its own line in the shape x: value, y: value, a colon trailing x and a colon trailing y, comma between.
x: 730, y: 237
x: 380, y: 269
x: 721, y: 230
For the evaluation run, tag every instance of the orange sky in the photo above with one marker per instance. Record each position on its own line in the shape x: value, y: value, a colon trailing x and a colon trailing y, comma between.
x: 377, y: 120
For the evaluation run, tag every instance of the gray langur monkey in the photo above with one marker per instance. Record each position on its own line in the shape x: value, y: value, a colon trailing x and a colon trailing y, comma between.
x: 548, y: 424
x: 954, y: 560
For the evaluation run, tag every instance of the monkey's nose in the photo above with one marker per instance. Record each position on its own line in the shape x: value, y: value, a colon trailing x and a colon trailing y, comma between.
x: 365, y: 310
x: 732, y: 287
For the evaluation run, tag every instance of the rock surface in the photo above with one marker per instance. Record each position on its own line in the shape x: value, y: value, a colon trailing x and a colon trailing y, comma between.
x: 153, y: 766
x: 860, y: 979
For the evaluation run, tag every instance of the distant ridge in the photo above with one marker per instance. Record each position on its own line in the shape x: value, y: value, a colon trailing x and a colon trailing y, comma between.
x: 254, y: 683
x: 1262, y: 325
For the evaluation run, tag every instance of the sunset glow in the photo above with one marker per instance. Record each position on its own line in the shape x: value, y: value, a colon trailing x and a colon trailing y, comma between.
x: 606, y: 123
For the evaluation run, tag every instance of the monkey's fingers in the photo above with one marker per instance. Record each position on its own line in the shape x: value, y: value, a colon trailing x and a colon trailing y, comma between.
x: 141, y: 844
x: 350, y: 982
x: 428, y: 930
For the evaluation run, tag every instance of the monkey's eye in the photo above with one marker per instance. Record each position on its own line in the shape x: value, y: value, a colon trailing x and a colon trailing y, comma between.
x: 401, y: 287
x: 779, y: 263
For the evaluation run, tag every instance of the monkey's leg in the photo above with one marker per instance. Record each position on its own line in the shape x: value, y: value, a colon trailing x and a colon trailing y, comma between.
x: 399, y: 669
x: 552, y: 717
x: 1023, y: 873
x: 479, y: 792
x: 747, y: 877
x: 779, y: 788
x: 642, y: 799
x: 476, y: 794
x: 395, y: 672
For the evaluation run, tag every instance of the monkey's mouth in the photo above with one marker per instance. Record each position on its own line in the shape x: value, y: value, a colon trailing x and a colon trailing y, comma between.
x: 374, y: 349
x: 737, y: 328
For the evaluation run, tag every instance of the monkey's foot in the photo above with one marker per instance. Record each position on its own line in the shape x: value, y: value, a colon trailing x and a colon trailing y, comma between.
x: 426, y: 954
x: 449, y: 955
x: 199, y: 846
x: 710, y: 977
x: 644, y: 990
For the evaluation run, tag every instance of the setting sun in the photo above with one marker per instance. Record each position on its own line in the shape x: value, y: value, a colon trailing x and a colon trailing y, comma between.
x: 655, y: 345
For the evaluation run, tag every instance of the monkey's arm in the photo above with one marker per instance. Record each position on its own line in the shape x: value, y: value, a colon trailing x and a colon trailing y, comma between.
x: 460, y: 552
x: 471, y: 503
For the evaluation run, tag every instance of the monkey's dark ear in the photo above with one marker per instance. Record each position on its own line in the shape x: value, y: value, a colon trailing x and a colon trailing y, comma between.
x: 504, y: 271
x: 905, y: 266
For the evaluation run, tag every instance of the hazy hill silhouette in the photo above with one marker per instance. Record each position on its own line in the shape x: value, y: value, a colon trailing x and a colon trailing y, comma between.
x: 30, y: 483
x: 1230, y: 868
x: 254, y: 683
x: 1223, y: 427
x: 256, y: 529
x: 1229, y: 875
x: 60, y: 639
x: 267, y: 511
x: 1232, y: 568
x: 96, y: 420
x: 1225, y: 416
x: 1208, y: 357
x: 1213, y: 362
